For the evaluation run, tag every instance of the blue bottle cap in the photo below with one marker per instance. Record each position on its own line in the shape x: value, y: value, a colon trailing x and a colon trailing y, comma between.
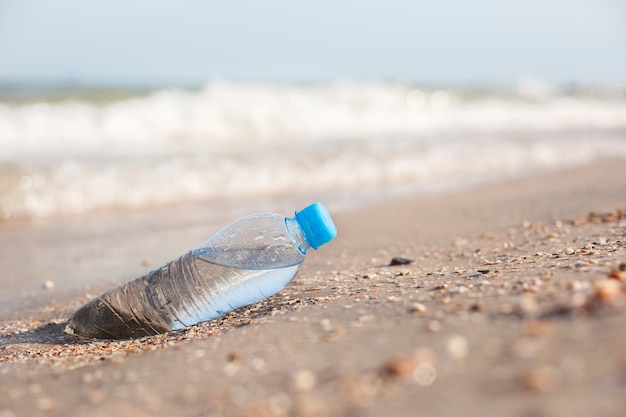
x: 316, y: 224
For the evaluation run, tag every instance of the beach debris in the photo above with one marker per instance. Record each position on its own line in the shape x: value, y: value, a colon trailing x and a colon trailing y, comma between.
x: 397, y: 260
x: 238, y: 266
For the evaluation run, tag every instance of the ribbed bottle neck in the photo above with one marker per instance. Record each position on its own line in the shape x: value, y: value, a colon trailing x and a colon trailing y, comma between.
x: 296, y: 235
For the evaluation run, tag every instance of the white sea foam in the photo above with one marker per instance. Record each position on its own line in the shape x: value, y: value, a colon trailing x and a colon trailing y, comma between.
x: 242, y: 139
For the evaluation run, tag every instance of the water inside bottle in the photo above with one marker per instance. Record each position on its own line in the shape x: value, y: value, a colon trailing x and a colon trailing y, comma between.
x: 206, y: 290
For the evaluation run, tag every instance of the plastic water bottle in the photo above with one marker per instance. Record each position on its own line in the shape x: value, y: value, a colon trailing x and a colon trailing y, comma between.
x: 247, y: 261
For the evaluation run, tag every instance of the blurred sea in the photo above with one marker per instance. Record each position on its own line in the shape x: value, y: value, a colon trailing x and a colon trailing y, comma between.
x: 73, y: 151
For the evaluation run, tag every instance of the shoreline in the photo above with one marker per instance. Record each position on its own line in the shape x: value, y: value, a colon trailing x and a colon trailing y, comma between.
x: 508, y: 307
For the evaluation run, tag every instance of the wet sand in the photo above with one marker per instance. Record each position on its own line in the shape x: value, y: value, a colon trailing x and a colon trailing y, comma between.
x: 513, y: 302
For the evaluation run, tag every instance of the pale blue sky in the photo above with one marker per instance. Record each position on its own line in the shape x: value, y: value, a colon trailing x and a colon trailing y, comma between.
x: 190, y: 41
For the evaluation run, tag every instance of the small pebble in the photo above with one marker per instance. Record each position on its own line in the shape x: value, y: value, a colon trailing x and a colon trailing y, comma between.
x: 607, y: 290
x: 48, y: 285
x: 425, y: 374
x: 400, y: 365
x: 457, y: 347
x: 601, y: 241
x: 418, y: 366
x: 417, y: 308
x: 575, y: 285
x: 477, y: 307
x: 400, y: 261
x: 617, y: 274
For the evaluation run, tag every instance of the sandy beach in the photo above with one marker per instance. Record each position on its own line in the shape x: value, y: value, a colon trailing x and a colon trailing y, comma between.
x: 505, y: 300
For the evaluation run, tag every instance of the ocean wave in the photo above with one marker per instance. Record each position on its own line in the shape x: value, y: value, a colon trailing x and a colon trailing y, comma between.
x: 226, y: 115
x: 229, y: 140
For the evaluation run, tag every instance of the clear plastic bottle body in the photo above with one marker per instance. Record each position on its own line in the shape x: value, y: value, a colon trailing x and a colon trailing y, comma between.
x: 258, y: 241
x: 245, y: 262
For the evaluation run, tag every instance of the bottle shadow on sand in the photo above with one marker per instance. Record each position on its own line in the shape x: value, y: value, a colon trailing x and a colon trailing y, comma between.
x: 51, y: 333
